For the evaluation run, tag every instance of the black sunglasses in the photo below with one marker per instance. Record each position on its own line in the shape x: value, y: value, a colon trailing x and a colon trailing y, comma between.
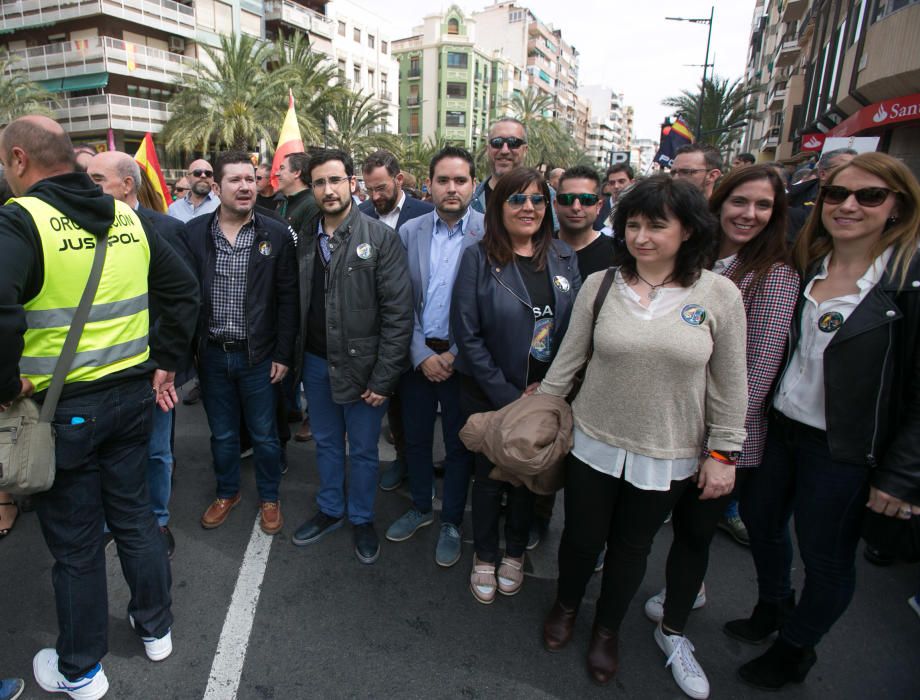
x: 586, y: 199
x: 202, y: 173
x: 513, y: 142
x: 517, y: 201
x: 181, y: 189
x: 865, y: 197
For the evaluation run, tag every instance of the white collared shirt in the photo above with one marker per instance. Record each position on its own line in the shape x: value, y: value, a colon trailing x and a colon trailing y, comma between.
x: 801, y: 390
x: 391, y: 218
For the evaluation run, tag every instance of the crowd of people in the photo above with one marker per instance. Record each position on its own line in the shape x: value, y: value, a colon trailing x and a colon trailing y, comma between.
x: 719, y: 348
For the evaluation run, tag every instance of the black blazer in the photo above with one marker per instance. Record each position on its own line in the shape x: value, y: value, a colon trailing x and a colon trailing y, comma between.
x: 412, y: 209
x: 601, y: 219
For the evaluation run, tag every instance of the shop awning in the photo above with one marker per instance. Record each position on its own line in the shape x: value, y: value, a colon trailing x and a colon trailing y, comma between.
x: 88, y: 81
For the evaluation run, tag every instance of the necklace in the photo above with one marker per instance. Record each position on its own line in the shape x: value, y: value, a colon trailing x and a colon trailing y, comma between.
x: 653, y: 291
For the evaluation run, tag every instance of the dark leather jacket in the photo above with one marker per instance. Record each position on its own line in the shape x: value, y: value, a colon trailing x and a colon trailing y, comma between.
x: 491, y: 318
x: 369, y: 312
x: 872, y: 383
x: 271, y: 291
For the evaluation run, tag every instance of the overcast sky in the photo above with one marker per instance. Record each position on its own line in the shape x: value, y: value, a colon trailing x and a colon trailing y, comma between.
x: 625, y: 44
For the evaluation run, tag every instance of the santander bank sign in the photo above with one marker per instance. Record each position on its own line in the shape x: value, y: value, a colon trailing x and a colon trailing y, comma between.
x: 897, y: 109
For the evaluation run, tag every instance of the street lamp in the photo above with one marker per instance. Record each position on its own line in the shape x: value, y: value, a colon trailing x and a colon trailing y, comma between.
x: 706, y: 64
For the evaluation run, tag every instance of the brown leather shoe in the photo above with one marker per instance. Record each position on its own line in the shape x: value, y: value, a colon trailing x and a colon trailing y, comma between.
x: 603, y: 655
x: 218, y: 511
x: 270, y: 518
x: 305, y: 433
x: 558, y: 627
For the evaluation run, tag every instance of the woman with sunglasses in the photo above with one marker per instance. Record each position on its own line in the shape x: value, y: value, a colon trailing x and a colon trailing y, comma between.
x: 844, y: 432
x: 750, y: 204
x: 510, y: 309
x: 668, y: 368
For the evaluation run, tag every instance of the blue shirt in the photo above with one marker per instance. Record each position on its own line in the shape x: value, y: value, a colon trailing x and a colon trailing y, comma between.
x: 446, y: 246
x: 184, y: 210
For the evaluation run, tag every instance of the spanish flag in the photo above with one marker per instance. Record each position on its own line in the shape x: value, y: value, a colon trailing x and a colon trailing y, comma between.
x: 146, y: 157
x: 673, y: 135
x: 289, y: 140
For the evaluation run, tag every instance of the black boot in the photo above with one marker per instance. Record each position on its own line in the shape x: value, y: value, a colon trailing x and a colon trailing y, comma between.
x: 766, y: 619
x: 781, y: 664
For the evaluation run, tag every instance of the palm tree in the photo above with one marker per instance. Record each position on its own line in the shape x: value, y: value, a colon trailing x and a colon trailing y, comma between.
x: 18, y: 94
x: 548, y: 142
x: 724, y: 103
x: 415, y: 154
x: 230, y: 101
x: 354, y: 120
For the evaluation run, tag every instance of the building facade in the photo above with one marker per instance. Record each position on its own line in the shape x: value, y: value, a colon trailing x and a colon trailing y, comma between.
x: 609, y: 126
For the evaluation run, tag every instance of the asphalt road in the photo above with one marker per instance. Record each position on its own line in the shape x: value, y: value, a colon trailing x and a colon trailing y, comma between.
x: 325, y: 626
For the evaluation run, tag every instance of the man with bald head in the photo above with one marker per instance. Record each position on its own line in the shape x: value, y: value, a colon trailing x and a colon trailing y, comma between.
x: 201, y: 198
x: 51, y: 233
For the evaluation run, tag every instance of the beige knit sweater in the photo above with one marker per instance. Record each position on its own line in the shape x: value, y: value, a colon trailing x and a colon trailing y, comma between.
x: 656, y: 387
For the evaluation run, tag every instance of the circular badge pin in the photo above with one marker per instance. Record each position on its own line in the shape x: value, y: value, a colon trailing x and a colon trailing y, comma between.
x: 562, y: 284
x: 265, y: 248
x: 830, y: 321
x: 694, y: 314
x: 364, y: 251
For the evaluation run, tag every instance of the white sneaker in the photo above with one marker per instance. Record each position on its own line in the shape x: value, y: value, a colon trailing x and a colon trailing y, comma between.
x: 654, y: 606
x: 686, y: 671
x: 91, y: 686
x: 157, y: 649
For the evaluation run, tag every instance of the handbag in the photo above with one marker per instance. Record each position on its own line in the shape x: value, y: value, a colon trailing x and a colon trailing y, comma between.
x: 26, y: 433
x: 602, y: 292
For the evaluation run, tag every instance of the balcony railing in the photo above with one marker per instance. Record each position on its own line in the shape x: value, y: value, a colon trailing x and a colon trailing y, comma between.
x: 100, y: 112
x: 771, y: 138
x: 412, y: 101
x: 102, y: 54
x: 787, y: 53
x: 414, y: 73
x: 298, y: 16
x: 385, y: 96
x: 165, y: 15
x: 793, y: 10
x: 777, y: 95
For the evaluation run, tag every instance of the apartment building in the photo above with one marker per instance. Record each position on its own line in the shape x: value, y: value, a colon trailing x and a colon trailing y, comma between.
x: 513, y: 31
x: 450, y: 87
x: 835, y: 68
x: 610, y: 124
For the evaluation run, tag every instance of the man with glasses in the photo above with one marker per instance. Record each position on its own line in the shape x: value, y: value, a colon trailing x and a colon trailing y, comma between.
x: 356, y: 324
x: 699, y: 164
x: 387, y: 202
x: 619, y: 176
x: 200, y: 199
x: 266, y: 197
x: 803, y: 195
x: 180, y: 188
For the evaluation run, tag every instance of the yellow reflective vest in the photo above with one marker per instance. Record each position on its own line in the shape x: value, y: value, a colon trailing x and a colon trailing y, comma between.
x: 116, y: 333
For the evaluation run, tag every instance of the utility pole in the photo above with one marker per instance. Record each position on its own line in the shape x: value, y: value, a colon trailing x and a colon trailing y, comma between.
x: 700, y: 20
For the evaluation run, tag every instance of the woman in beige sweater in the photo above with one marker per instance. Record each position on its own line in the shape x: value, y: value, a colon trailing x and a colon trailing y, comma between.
x: 668, y: 369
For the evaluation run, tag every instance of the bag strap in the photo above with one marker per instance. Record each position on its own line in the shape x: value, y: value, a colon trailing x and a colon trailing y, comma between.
x: 602, y: 291
x: 69, y: 351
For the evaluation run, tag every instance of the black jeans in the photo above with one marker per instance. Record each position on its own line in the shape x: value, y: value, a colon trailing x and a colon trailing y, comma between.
x: 600, y: 509
x: 102, y: 477
x: 799, y: 478
x: 487, y: 493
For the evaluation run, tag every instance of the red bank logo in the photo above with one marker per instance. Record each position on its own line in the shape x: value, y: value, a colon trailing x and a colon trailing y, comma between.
x: 812, y: 143
x: 881, y: 115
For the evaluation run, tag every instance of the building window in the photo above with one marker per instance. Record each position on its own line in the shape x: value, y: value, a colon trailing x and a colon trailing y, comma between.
x: 456, y: 91
x: 413, y: 122
x: 457, y: 60
x: 341, y: 69
x: 357, y: 76
x: 414, y: 67
x: 370, y: 79
x: 516, y: 16
x: 384, y: 47
x: 456, y: 119
x: 357, y: 34
x: 371, y: 40
x: 383, y: 83
x: 341, y: 28
x: 453, y: 26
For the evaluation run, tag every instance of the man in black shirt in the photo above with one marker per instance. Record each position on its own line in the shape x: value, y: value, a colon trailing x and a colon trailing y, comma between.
x: 577, y: 205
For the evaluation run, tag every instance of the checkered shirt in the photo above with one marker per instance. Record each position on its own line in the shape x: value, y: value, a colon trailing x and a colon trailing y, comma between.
x: 769, y: 309
x: 228, y: 291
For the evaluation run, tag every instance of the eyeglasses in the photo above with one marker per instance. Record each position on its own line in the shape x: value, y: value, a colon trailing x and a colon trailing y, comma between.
x: 865, y: 197
x: 202, y: 173
x: 687, y: 172
x: 516, y: 201
x: 379, y: 189
x: 261, y: 177
x: 568, y: 199
x: 513, y: 142
x: 178, y: 190
x: 331, y: 181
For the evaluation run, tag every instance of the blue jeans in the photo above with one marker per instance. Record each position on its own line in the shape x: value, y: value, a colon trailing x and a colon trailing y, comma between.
x: 420, y: 399
x: 102, y: 475
x: 798, y: 477
x: 231, y: 388
x: 330, y: 422
x: 160, y: 464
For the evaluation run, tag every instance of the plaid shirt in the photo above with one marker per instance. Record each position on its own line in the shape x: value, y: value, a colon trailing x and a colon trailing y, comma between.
x: 769, y: 310
x: 228, y: 292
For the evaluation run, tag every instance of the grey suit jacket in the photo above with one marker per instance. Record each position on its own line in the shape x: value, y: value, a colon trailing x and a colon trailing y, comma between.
x: 415, y: 235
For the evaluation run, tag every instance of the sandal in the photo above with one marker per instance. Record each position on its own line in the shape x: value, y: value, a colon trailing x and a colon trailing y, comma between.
x: 510, y: 575
x: 7, y: 530
x: 482, y: 581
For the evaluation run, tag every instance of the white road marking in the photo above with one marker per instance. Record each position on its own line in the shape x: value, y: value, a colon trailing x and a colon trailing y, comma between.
x: 227, y: 668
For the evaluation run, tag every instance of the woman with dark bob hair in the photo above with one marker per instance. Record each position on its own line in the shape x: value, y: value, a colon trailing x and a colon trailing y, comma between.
x: 750, y: 204
x: 667, y: 369
x: 844, y: 430
x: 510, y: 309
